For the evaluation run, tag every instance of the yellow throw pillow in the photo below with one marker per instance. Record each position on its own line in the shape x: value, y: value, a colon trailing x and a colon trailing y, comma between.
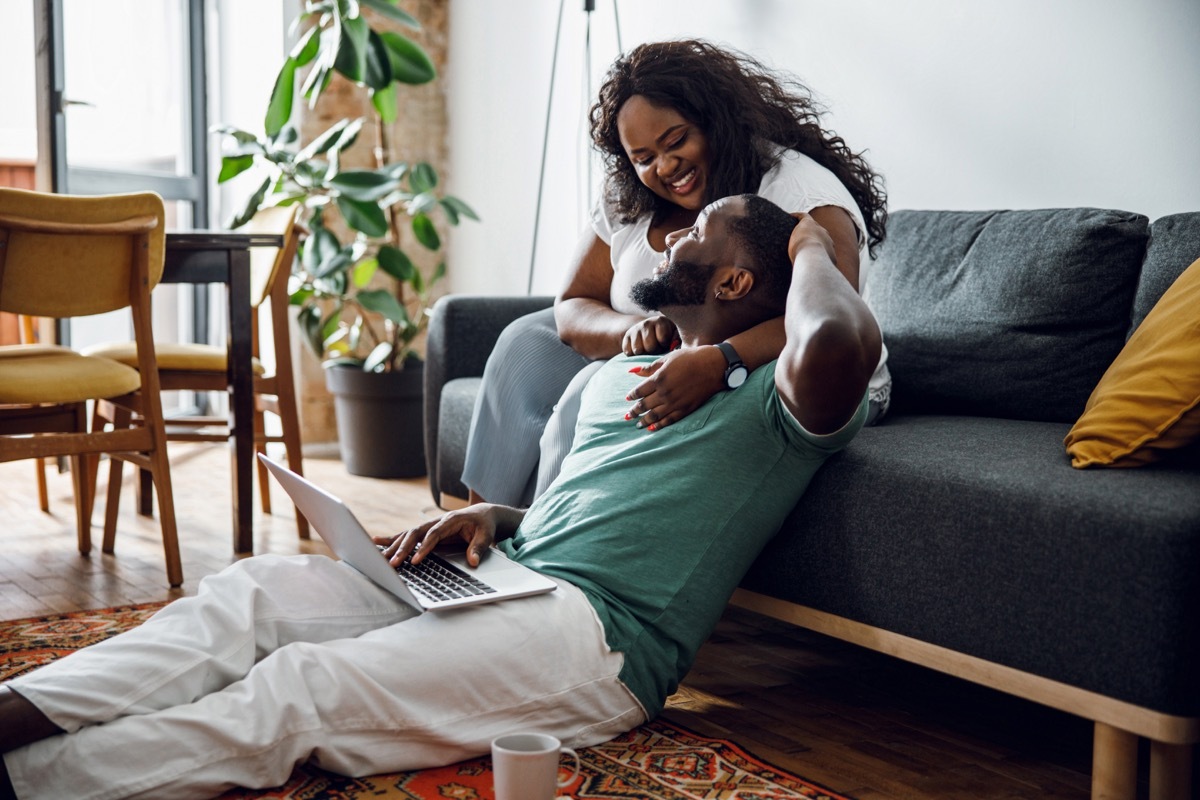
x: 1148, y: 401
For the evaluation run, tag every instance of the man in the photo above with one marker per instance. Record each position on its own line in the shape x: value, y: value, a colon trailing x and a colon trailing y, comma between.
x: 647, y: 531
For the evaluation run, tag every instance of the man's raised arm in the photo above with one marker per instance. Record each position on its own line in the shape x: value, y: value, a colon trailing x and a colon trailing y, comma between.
x: 833, y: 341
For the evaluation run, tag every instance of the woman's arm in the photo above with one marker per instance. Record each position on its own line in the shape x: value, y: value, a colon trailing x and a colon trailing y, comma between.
x: 583, y: 311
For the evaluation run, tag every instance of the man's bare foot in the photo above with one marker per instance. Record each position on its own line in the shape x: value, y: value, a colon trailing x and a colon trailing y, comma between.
x: 21, y: 723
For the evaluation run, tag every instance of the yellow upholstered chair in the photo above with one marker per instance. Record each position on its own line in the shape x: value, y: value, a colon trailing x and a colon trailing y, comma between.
x: 202, y: 368
x: 63, y: 256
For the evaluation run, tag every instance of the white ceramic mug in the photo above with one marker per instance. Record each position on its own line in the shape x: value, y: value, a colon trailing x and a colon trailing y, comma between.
x: 525, y: 766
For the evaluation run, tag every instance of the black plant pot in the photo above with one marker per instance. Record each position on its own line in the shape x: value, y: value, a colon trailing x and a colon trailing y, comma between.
x: 379, y: 420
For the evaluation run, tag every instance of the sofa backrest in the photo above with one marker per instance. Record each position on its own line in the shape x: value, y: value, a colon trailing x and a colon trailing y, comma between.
x: 1174, y: 245
x: 1010, y: 314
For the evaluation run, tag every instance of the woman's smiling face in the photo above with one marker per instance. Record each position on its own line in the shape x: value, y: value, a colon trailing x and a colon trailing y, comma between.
x: 669, y: 154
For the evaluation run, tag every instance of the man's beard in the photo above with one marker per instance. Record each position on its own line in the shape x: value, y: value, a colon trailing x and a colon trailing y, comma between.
x: 682, y: 283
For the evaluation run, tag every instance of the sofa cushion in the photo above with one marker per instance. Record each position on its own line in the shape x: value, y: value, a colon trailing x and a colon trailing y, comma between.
x: 1004, y: 313
x: 1148, y: 402
x: 1174, y: 244
x: 454, y: 426
x: 976, y: 535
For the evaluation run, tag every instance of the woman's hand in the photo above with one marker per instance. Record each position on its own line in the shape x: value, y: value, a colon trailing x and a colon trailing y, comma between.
x: 475, y: 525
x: 675, y: 386
x: 649, y: 336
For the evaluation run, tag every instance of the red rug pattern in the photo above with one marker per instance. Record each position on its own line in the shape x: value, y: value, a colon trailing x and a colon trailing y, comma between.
x: 658, y: 761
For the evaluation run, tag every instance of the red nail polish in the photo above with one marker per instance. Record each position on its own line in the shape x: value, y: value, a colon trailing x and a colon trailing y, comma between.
x: 654, y: 427
x: 628, y: 417
x: 636, y: 369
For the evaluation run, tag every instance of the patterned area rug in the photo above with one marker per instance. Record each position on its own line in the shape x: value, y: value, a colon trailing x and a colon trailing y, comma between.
x: 658, y: 761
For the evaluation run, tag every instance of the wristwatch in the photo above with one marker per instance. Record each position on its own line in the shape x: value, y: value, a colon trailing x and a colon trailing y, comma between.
x: 735, y: 371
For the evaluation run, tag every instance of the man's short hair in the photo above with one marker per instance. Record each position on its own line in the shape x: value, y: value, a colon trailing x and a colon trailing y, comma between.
x: 763, y: 232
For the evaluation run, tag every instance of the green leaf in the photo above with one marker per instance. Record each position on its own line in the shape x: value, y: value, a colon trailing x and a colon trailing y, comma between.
x: 252, y: 205
x: 397, y: 170
x: 306, y: 49
x: 363, y: 185
x: 279, y: 109
x: 377, y: 64
x: 377, y: 359
x: 244, y: 142
x: 425, y: 232
x: 351, y: 59
x: 331, y: 325
x: 300, y: 296
x: 423, y: 203
x: 395, y: 262
x: 309, y: 320
x: 334, y: 265
x: 423, y: 178
x: 388, y: 9
x: 321, y: 246
x: 289, y: 199
x: 439, y: 272
x: 286, y: 136
x: 333, y: 286
x: 461, y: 209
x: 410, y: 63
x: 364, y: 271
x: 234, y: 165
x: 365, y: 217
x: 381, y: 301
x: 384, y: 101
x: 326, y: 140
x: 322, y: 71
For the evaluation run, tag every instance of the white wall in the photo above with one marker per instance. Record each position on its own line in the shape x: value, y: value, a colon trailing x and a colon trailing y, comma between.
x: 962, y: 105
x: 18, y: 96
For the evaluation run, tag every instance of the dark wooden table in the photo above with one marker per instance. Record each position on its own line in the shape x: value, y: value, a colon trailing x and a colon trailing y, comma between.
x: 204, y: 257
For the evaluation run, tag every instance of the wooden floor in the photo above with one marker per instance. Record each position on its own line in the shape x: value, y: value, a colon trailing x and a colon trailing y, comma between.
x: 860, y: 723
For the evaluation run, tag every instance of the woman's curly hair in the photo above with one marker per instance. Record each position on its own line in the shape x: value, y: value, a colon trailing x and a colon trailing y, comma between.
x: 743, y: 109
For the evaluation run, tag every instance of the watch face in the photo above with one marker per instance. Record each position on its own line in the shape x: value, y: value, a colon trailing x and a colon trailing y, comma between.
x: 736, y: 376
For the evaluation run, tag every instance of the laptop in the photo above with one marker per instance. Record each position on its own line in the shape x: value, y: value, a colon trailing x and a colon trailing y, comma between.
x: 440, y: 581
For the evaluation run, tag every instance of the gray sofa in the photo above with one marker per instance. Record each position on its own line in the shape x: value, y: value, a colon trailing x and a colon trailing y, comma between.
x: 956, y: 534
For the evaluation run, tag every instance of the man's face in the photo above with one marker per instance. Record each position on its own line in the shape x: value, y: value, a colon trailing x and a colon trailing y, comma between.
x: 689, y: 262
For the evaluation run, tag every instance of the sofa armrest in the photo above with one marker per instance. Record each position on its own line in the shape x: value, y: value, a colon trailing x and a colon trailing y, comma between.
x: 463, y: 329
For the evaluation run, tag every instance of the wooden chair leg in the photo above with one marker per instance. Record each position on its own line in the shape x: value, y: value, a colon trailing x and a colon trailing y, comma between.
x: 82, y: 523
x: 43, y: 490
x: 116, y: 467
x: 289, y: 420
x: 143, y: 493
x: 112, y: 504
x: 1170, y: 771
x: 260, y: 446
x: 1114, y: 764
x: 160, y: 470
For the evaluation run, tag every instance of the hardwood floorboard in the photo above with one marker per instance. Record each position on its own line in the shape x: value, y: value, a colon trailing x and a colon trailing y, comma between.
x: 858, y: 722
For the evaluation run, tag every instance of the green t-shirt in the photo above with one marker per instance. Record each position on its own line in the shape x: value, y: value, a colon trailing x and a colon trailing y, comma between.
x: 657, y: 528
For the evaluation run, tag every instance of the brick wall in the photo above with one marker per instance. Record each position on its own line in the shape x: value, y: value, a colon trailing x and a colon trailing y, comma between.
x: 419, y: 134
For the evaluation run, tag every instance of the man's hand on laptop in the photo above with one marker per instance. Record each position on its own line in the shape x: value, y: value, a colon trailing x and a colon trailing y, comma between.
x: 478, y: 526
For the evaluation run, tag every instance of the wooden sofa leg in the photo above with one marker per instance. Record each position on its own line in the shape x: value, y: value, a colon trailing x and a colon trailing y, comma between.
x: 1114, y: 764
x: 1170, y: 771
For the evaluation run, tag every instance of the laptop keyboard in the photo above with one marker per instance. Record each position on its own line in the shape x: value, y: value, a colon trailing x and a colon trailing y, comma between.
x: 438, y: 579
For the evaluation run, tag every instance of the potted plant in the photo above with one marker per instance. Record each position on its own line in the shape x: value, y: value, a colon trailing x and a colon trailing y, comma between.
x: 364, y: 333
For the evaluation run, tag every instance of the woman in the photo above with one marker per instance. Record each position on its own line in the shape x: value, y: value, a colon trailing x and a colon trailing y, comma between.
x: 679, y: 124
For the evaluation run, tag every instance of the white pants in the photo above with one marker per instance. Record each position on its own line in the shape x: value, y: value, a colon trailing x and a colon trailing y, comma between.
x: 280, y: 660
